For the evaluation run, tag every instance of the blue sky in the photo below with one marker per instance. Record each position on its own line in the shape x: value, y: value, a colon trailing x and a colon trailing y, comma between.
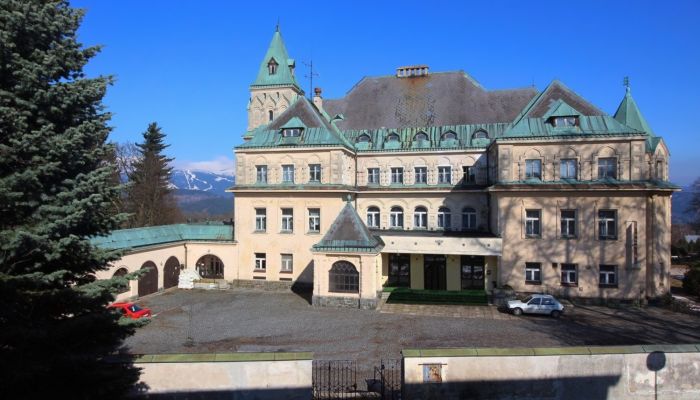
x: 187, y: 64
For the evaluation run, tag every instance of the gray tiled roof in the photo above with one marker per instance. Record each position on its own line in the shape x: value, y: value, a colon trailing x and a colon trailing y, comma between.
x: 349, y: 233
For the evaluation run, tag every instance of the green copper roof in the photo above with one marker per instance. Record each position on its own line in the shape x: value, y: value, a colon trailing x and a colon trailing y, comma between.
x: 294, y: 122
x: 628, y: 113
x: 560, y: 109
x: 588, y: 125
x: 285, y: 65
x: 155, y: 235
x: 349, y: 233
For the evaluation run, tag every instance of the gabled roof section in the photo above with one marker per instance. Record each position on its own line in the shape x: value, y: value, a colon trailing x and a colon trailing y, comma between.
x: 628, y: 113
x: 603, y: 125
x: 318, y: 131
x: 543, y: 102
x: 560, y: 109
x: 350, y: 234
x: 283, y: 76
x: 158, y: 235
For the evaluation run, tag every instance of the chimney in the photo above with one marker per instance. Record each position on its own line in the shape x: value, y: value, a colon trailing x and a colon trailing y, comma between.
x: 318, y: 100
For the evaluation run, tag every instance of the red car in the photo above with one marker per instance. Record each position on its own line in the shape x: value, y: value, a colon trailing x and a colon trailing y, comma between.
x: 131, y: 310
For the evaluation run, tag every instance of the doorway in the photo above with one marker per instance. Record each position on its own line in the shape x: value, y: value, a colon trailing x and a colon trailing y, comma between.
x: 472, y: 271
x: 435, y: 272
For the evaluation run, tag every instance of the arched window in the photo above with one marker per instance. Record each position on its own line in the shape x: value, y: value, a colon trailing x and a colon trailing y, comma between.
x: 271, y: 115
x: 449, y: 135
x: 420, y: 136
x: 480, y: 134
x: 121, y: 272
x: 393, y: 137
x: 363, y: 138
x: 373, y: 217
x: 343, y: 278
x: 148, y: 282
x: 444, y: 218
x: 396, y: 217
x: 468, y: 219
x: 420, y: 218
x: 210, y: 266
x: 272, y: 67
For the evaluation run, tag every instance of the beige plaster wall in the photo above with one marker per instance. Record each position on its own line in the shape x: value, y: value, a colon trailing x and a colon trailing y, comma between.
x: 263, y: 100
x: 367, y: 266
x: 586, y: 250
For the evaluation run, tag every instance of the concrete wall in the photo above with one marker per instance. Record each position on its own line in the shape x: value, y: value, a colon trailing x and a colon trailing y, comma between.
x: 554, y: 373
x: 236, y: 375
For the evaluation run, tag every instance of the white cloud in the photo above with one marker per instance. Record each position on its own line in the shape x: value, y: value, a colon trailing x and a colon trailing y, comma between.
x: 220, y: 164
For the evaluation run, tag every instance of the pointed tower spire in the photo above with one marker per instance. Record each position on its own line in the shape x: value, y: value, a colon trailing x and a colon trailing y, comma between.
x: 628, y: 113
x: 276, y: 67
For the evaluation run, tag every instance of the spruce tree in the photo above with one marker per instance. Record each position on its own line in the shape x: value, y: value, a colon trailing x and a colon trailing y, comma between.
x: 149, y: 196
x: 55, y: 194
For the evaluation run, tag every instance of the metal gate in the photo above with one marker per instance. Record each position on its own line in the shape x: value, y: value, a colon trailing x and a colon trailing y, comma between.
x: 344, y: 379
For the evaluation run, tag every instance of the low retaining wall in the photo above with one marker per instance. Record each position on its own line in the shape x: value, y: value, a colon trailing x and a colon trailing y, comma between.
x: 226, y: 376
x: 639, y: 372
x: 344, y: 302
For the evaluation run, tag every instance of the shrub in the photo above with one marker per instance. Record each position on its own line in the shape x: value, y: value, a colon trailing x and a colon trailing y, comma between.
x: 691, y: 282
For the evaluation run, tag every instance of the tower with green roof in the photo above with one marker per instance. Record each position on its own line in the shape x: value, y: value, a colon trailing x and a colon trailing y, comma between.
x: 275, y: 87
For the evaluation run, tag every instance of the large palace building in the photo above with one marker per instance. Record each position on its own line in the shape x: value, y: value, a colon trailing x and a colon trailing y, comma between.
x: 428, y: 180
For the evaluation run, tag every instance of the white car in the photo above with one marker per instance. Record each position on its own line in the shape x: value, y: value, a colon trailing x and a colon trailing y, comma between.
x: 537, y: 304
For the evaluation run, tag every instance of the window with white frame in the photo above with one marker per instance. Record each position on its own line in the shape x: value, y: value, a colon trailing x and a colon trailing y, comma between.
x: 568, y: 223
x: 532, y: 223
x: 608, y: 276
x: 287, y: 220
x: 396, y: 175
x: 420, y: 218
x: 421, y: 175
x: 533, y: 169
x: 261, y: 174
x: 445, y: 175
x: 567, y: 168
x: 444, y: 218
x: 373, y: 217
x: 468, y: 174
x: 314, y: 220
x: 533, y: 273
x: 569, y: 275
x: 396, y: 217
x: 314, y: 172
x: 373, y: 176
x: 607, y: 168
x: 260, y: 261
x: 291, y: 132
x: 468, y: 219
x: 607, y: 224
x: 288, y: 173
x: 260, y: 219
x: 287, y: 263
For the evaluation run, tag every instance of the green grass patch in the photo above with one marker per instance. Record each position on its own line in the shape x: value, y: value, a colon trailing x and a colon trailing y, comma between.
x: 457, y: 297
x: 389, y: 289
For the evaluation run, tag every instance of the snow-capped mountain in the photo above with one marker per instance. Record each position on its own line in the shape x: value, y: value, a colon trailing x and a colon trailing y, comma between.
x: 205, y: 181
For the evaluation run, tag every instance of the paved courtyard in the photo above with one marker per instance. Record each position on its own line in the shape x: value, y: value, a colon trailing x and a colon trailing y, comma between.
x: 249, y: 320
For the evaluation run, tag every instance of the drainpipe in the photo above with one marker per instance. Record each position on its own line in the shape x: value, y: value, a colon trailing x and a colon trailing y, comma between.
x: 185, y: 244
x: 359, y: 302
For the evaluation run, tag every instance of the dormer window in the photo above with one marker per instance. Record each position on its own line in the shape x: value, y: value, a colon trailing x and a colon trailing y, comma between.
x: 291, y: 132
x: 480, y: 134
x: 392, y: 138
x: 420, y: 136
x: 449, y: 135
x: 272, y: 66
x: 363, y: 139
x: 560, y: 122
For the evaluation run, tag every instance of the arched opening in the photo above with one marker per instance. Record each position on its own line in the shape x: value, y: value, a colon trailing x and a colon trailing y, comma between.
x: 420, y: 218
x: 171, y: 272
x: 363, y: 138
x: 270, y: 115
x: 373, y: 217
x: 420, y: 136
x: 118, y: 273
x: 396, y: 217
x: 393, y: 137
x: 148, y: 282
x: 210, y: 266
x: 444, y: 218
x: 449, y: 135
x: 480, y: 134
x: 343, y: 278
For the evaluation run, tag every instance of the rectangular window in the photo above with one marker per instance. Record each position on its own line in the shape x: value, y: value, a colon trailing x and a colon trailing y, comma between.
x: 532, y: 223
x: 445, y: 175
x: 287, y: 261
x: 468, y: 219
x: 569, y: 275
x: 261, y: 174
x: 260, y: 262
x: 396, y: 175
x: 607, y: 224
x: 568, y: 223
x: 373, y: 176
x: 608, y: 276
x: 288, y: 173
x: 533, y: 169
x: 260, y: 219
x: 468, y: 175
x: 373, y: 217
x: 287, y: 220
x: 607, y: 168
x: 533, y: 273
x: 567, y: 169
x: 315, y: 173
x: 421, y: 175
x: 314, y: 220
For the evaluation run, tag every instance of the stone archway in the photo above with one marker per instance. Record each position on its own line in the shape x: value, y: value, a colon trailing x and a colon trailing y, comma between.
x: 148, y: 282
x: 121, y: 272
x: 171, y: 272
x: 210, y: 266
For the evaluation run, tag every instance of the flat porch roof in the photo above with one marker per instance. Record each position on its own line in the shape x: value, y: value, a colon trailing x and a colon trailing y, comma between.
x: 440, y: 242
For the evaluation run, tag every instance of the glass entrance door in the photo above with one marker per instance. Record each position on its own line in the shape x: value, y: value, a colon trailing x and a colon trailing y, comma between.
x: 435, y: 272
x: 399, y: 270
x: 472, y: 268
